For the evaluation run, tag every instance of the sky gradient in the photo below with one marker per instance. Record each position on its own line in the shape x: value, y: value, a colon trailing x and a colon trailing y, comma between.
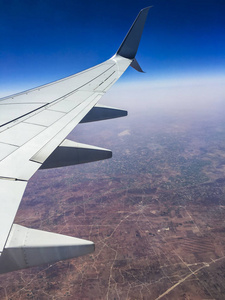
x: 42, y: 41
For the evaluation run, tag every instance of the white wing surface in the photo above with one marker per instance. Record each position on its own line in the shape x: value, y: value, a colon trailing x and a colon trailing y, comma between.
x: 33, y: 128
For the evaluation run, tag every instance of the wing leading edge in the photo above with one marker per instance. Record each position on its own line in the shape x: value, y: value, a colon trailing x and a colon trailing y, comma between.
x: 33, y: 128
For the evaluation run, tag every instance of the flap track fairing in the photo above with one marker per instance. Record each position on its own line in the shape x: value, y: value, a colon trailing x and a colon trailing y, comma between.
x: 27, y: 248
x: 71, y: 153
x: 99, y: 113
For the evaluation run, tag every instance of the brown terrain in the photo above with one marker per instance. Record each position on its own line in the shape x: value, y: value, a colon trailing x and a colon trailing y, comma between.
x: 156, y: 212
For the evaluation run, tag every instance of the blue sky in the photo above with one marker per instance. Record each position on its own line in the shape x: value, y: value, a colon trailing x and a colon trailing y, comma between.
x: 44, y: 40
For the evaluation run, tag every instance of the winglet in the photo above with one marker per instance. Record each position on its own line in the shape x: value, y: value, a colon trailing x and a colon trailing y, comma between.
x: 129, y: 46
x: 136, y: 66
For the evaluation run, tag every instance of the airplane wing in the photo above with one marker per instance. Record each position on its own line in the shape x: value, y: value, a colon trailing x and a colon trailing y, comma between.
x: 33, y: 128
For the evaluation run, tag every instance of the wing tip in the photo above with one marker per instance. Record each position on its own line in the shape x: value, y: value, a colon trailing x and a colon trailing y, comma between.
x: 129, y: 46
x: 146, y: 8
